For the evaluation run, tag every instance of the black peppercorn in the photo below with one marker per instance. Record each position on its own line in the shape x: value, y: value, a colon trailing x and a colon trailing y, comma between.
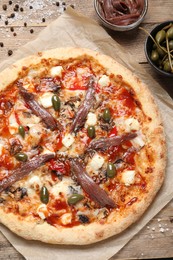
x: 10, y: 2
x: 83, y: 219
x: 4, y: 7
x: 6, y: 22
x: 1, y: 44
x: 57, y: 3
x: 14, y: 34
x: 25, y: 24
x: 10, y: 52
x: 11, y: 29
x: 31, y: 7
x: 31, y: 31
x: 12, y: 15
x: 21, y: 9
x: 43, y: 20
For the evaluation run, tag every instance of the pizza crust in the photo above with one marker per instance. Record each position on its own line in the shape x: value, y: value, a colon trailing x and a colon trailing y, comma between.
x: 116, y: 223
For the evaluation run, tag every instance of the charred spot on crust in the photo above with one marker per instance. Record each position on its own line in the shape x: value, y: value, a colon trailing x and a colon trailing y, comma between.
x: 83, y: 219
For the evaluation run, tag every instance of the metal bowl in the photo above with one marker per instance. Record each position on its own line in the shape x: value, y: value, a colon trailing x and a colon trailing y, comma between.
x: 149, y: 45
x: 120, y: 27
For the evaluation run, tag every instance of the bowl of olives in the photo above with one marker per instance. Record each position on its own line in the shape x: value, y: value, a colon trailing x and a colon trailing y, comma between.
x: 159, y: 48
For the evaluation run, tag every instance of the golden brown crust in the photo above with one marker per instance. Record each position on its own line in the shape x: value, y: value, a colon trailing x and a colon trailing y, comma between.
x: 94, y: 232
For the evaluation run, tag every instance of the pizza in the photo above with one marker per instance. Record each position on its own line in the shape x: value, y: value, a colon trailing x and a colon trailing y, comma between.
x: 82, y: 147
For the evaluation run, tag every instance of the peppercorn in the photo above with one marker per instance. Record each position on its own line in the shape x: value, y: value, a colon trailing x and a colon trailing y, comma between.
x: 65, y: 8
x: 15, y: 9
x: 31, y: 31
x: 12, y: 15
x: 1, y: 44
x: 43, y: 20
x: 4, y: 7
x: 10, y: 52
x: 6, y: 22
x: 31, y: 7
x: 17, y: 6
x: 11, y: 29
x: 21, y: 9
x: 72, y: 6
x: 63, y: 3
x: 57, y: 3
x: 10, y: 2
x: 25, y: 24
x: 14, y: 34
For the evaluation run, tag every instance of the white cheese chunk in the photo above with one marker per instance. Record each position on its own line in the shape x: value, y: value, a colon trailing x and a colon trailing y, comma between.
x: 13, y: 125
x: 66, y: 218
x: 68, y: 140
x: 91, y: 119
x: 104, y: 81
x: 56, y: 71
x: 46, y: 100
x: 138, y: 142
x: 1, y: 148
x: 96, y: 163
x: 128, y: 177
x: 131, y: 124
x: 42, y: 211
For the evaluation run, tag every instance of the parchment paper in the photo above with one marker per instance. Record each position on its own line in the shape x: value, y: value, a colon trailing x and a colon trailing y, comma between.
x: 72, y: 29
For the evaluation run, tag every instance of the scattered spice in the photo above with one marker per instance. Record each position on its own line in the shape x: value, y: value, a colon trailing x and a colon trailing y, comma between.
x: 72, y: 6
x: 171, y: 219
x: 10, y: 52
x: 57, y: 3
x: 17, y: 6
x: 43, y: 20
x: 31, y: 7
x: 10, y: 2
x: 6, y: 22
x: 12, y: 15
x: 63, y: 3
x: 4, y: 7
x: 11, y: 29
x: 25, y: 24
x: 21, y: 9
x: 31, y: 31
x: 14, y: 34
x: 16, y: 9
x: 1, y: 44
x: 65, y: 8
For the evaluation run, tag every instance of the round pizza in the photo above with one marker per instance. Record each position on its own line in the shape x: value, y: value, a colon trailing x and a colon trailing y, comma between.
x: 82, y: 147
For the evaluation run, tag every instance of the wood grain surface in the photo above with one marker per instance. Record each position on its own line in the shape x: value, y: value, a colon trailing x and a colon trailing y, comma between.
x: 156, y: 239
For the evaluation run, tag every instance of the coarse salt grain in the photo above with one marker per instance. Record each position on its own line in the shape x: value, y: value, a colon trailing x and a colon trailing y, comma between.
x: 162, y: 230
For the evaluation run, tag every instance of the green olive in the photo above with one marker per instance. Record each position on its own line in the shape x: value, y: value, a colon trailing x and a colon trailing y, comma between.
x: 154, y: 46
x: 75, y: 198
x: 161, y: 52
x: 160, y: 36
x: 44, y: 195
x: 56, y: 102
x: 167, y: 67
x: 154, y: 55
x: 107, y: 115
x: 171, y: 45
x: 169, y: 33
x: 21, y: 157
x: 111, y: 170
x: 91, y: 131
x: 21, y: 130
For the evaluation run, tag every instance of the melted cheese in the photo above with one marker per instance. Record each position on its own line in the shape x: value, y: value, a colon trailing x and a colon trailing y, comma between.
x: 13, y: 125
x: 128, y: 177
x: 42, y: 211
x: 56, y: 71
x: 68, y: 140
x: 104, y: 81
x: 131, y: 124
x: 91, y: 119
x: 46, y: 100
x: 66, y: 218
x: 96, y: 163
x: 62, y: 186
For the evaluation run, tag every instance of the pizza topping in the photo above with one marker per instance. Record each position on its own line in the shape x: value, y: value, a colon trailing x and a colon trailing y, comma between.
x: 21, y: 130
x: 91, y: 131
x: 90, y: 187
x: 56, y: 71
x: 83, y: 219
x: 111, y: 170
x: 128, y: 177
x: 39, y: 111
x: 96, y: 163
x: 91, y: 119
x: 84, y: 107
x: 106, y: 142
x: 24, y: 169
x: 107, y: 115
x: 104, y: 81
x: 44, y: 195
x: 66, y: 218
x: 42, y: 211
x: 56, y: 102
x: 75, y: 198
x: 22, y: 157
x: 46, y: 99
x: 15, y: 146
x: 68, y: 140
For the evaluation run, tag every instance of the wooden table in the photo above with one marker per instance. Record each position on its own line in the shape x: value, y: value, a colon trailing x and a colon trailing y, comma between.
x: 156, y: 239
